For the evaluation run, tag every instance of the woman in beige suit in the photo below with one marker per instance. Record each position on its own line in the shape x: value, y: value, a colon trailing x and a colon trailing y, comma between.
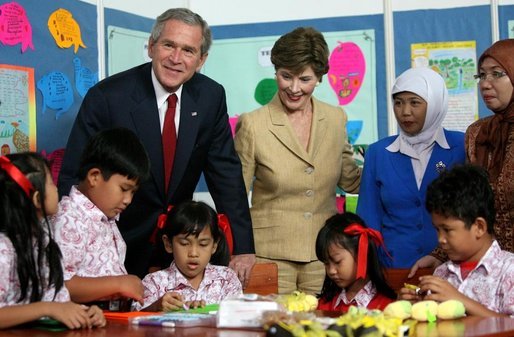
x: 294, y: 153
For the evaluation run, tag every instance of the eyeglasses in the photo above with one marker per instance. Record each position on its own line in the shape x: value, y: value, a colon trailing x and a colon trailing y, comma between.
x: 492, y: 76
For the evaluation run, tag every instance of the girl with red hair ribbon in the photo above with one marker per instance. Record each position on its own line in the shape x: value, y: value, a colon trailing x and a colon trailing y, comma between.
x: 199, y: 242
x: 354, y: 275
x: 31, y: 275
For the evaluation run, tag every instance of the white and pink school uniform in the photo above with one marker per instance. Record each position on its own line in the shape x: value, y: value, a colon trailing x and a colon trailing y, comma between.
x: 218, y: 283
x: 490, y: 283
x: 10, y: 289
x: 91, y: 244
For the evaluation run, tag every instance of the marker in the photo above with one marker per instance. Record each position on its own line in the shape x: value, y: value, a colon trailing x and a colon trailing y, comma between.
x: 148, y: 322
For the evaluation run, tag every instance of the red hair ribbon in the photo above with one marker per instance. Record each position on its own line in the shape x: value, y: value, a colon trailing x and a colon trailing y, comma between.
x: 362, y: 256
x: 16, y: 175
x: 161, y: 222
x: 224, y: 225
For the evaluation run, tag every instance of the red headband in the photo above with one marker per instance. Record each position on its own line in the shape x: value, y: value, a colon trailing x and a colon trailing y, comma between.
x: 362, y: 258
x: 16, y: 175
x: 223, y: 224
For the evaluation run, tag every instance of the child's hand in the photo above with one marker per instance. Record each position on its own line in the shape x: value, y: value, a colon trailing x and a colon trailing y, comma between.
x: 131, y: 287
x: 438, y: 289
x: 73, y: 315
x: 171, y: 301
x: 195, y: 304
x: 410, y: 293
x: 96, y: 316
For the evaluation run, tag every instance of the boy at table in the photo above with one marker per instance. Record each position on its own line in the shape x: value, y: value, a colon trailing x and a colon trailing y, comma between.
x: 478, y: 273
x: 112, y: 166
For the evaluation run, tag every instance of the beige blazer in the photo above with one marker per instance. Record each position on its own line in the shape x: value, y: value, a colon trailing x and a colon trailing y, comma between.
x: 293, y: 189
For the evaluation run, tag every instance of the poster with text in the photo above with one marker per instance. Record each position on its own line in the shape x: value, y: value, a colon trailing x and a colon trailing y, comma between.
x: 456, y: 63
x: 17, y: 109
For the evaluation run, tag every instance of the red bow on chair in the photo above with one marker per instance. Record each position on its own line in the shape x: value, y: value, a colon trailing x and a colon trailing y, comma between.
x: 224, y: 225
x: 362, y: 258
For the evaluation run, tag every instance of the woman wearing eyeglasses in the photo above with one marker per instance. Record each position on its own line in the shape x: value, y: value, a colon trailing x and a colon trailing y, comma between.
x: 490, y: 140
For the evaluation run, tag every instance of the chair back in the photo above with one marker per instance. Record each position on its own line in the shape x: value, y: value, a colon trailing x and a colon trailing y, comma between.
x: 396, y: 277
x: 263, y: 279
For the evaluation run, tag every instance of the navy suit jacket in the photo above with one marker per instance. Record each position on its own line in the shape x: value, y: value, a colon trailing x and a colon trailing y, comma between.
x: 390, y: 201
x: 204, y: 145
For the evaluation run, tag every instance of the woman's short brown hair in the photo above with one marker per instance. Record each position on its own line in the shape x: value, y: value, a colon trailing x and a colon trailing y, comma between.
x: 300, y: 48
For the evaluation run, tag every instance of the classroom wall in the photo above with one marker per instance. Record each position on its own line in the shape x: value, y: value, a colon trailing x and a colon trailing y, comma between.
x: 396, y: 23
x: 434, y: 21
x: 412, y: 22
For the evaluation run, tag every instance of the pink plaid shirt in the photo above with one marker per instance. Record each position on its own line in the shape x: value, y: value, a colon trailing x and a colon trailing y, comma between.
x: 491, y: 282
x: 10, y: 284
x: 361, y: 299
x: 218, y: 282
x: 91, y: 244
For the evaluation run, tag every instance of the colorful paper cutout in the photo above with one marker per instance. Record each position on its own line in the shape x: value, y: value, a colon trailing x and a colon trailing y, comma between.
x: 57, y: 92
x: 347, y: 69
x: 353, y: 128
x: 17, y: 109
x: 15, y: 26
x: 55, y: 162
x: 65, y: 30
x: 265, y: 90
x: 233, y: 123
x: 84, y: 77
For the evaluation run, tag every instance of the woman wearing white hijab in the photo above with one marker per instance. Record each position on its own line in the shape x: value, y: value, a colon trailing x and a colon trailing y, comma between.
x: 398, y: 169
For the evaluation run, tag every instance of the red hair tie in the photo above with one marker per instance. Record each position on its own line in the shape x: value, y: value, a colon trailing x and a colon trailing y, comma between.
x: 161, y: 222
x: 16, y: 175
x: 224, y: 225
x: 365, y: 233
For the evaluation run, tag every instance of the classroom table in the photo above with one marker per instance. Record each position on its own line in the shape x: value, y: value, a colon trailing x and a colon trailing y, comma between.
x: 465, y: 327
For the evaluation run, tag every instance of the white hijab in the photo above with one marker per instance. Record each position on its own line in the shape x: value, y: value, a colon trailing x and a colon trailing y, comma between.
x: 430, y: 86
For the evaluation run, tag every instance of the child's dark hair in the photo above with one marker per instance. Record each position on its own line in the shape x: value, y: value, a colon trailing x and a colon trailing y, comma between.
x: 115, y: 151
x: 19, y: 222
x: 191, y: 217
x: 463, y: 192
x: 333, y: 233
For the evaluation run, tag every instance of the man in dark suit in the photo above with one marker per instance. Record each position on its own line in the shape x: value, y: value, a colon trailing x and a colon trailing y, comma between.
x: 137, y: 99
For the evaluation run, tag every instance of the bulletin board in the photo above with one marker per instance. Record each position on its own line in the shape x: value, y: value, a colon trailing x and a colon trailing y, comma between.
x: 244, y: 40
x: 452, y: 26
x: 244, y: 68
x: 43, y: 79
x: 238, y: 45
x: 48, y: 60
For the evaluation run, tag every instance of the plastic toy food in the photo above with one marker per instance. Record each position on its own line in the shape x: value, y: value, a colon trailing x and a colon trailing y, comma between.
x: 425, y: 311
x: 357, y: 322
x: 399, y: 309
x: 451, y: 309
x: 416, y: 288
x: 298, y: 301
x: 410, y: 286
